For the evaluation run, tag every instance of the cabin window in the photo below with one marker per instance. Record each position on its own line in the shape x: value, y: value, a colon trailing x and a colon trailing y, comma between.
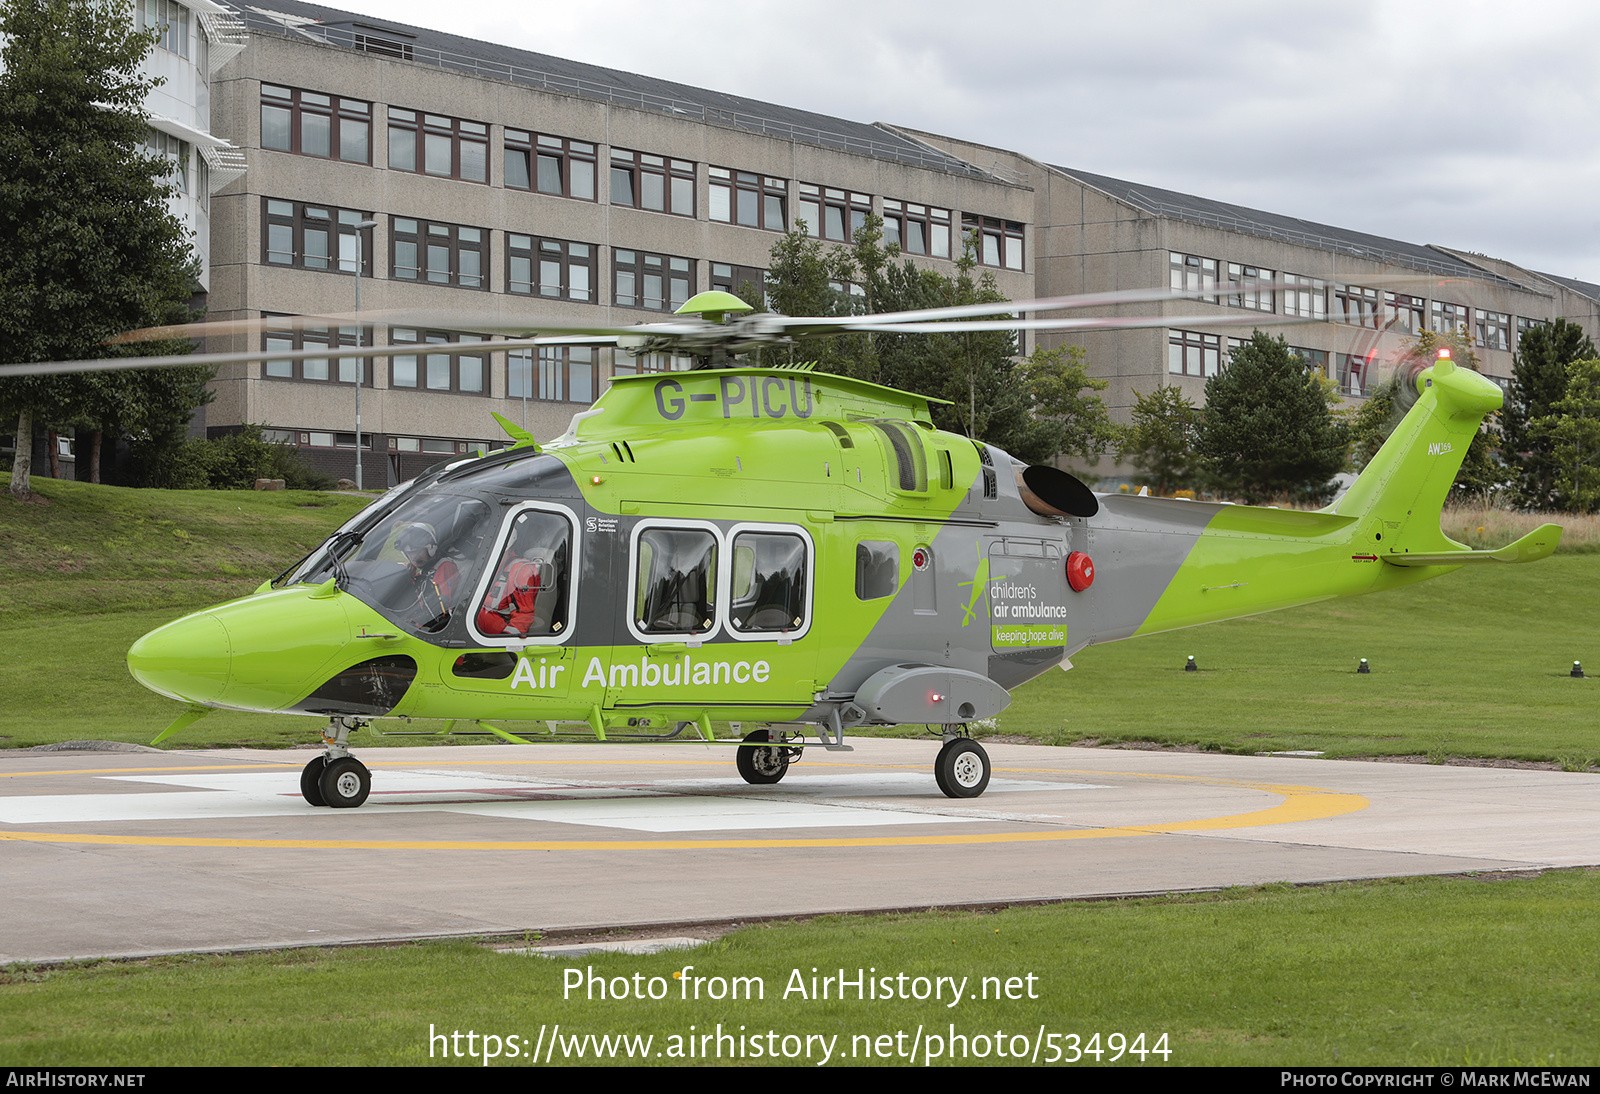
x: 877, y: 569
x: 527, y: 598
x: 769, y: 583
x: 675, y: 583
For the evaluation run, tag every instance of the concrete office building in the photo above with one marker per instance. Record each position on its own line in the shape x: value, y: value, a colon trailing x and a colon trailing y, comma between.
x: 503, y: 184
x: 1367, y: 295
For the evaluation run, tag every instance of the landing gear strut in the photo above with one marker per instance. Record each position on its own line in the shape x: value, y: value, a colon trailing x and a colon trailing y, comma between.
x: 336, y: 778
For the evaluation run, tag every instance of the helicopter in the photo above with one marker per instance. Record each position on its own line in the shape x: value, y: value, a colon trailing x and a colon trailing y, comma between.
x: 775, y: 546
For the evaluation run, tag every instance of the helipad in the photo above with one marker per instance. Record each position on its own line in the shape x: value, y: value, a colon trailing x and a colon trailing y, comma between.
x: 119, y: 854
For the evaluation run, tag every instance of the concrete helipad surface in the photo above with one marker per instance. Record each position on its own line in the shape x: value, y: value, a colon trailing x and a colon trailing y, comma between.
x: 139, y: 853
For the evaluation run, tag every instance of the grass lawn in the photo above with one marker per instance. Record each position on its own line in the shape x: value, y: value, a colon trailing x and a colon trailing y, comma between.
x: 1456, y: 971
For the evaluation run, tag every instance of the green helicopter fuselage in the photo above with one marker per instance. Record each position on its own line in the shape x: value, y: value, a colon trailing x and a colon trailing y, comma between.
x: 779, y: 546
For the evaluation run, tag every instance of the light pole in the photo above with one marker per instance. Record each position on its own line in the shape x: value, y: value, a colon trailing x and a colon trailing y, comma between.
x: 361, y: 362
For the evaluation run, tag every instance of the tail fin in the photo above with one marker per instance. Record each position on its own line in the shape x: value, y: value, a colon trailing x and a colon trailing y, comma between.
x: 1397, y: 499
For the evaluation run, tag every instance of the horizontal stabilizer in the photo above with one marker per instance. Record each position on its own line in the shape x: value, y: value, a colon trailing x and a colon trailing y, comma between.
x: 1537, y: 544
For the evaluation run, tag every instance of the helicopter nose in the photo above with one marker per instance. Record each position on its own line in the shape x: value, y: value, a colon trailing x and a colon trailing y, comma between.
x: 190, y: 659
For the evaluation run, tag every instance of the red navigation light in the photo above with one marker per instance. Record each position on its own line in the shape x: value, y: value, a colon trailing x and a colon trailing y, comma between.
x: 1444, y: 352
x: 1080, y: 571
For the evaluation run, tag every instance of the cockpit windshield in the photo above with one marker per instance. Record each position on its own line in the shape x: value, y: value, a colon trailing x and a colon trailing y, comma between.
x: 418, y: 564
x: 318, y: 566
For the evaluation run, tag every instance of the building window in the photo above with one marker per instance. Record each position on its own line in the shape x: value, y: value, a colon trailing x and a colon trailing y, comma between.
x: 652, y: 182
x: 1257, y: 299
x: 1190, y: 353
x: 1448, y: 318
x: 171, y: 19
x: 314, y: 237
x: 1355, y: 305
x: 442, y: 254
x: 438, y: 369
x: 651, y: 282
x: 743, y: 197
x: 430, y: 144
x: 316, y: 369
x: 1354, y: 373
x: 331, y: 440
x: 1494, y: 330
x: 557, y: 374
x: 1524, y: 325
x: 916, y: 229
x: 429, y: 445
x: 309, y: 123
x: 176, y: 152
x: 998, y: 243
x: 832, y: 214
x: 1316, y: 360
x: 550, y: 267
x: 1305, y: 296
x: 728, y: 278
x: 550, y: 165
x: 1404, y: 313
x: 1190, y: 273
x: 651, y: 362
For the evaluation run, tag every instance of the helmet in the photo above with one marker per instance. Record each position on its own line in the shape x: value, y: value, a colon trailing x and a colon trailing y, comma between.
x: 416, y: 539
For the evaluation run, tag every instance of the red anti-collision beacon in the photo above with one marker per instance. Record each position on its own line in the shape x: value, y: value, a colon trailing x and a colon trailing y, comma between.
x: 1080, y: 571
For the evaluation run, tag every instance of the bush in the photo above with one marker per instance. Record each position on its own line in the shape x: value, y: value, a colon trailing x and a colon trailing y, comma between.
x: 231, y: 462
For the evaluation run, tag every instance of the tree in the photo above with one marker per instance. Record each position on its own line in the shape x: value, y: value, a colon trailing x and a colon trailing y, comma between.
x: 91, y: 247
x: 1035, y: 409
x: 1160, y: 440
x: 1267, y: 432
x: 1571, y: 435
x: 1539, y: 377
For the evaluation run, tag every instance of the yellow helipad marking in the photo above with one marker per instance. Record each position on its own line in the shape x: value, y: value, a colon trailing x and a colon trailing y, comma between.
x: 1300, y: 803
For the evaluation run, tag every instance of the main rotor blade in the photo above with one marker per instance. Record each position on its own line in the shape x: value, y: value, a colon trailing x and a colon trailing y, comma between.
x: 1096, y: 300
x: 244, y: 357
x: 431, y: 320
x: 1127, y: 322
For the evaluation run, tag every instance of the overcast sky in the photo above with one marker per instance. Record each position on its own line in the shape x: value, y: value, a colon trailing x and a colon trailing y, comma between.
x: 1469, y: 124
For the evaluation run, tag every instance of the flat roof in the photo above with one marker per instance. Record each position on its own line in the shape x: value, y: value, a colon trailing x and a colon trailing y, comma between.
x: 1306, y: 233
x: 470, y: 57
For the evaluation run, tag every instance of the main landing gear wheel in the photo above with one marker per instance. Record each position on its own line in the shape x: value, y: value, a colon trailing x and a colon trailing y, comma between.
x: 345, y: 783
x: 962, y: 770
x: 311, y: 780
x: 761, y: 766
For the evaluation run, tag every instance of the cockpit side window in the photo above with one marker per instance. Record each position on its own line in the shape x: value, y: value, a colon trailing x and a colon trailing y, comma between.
x: 675, y: 581
x: 529, y: 594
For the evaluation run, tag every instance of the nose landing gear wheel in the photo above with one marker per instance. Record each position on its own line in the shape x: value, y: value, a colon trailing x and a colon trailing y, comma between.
x: 345, y: 783
x: 310, y: 781
x: 761, y: 766
x: 962, y: 770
